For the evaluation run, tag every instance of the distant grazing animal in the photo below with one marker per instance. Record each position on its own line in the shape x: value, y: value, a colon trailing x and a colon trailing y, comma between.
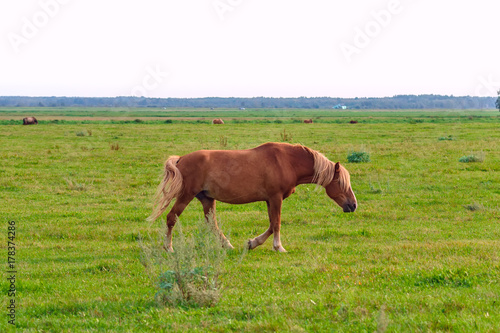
x: 269, y: 172
x: 308, y: 121
x: 217, y: 121
x: 353, y: 122
x: 30, y: 121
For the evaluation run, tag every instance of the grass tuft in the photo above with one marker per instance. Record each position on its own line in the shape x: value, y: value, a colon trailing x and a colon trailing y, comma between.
x: 473, y: 158
x: 223, y: 141
x: 358, y: 157
x: 474, y: 207
x: 75, y: 186
x: 189, y: 276
x: 447, y: 278
x: 382, y: 321
x: 286, y: 137
x: 374, y: 189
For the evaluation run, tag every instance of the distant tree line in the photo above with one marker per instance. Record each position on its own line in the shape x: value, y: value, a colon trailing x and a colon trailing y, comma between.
x: 396, y: 102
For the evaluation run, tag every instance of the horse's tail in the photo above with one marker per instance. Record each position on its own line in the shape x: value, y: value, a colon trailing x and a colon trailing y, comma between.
x: 169, y: 188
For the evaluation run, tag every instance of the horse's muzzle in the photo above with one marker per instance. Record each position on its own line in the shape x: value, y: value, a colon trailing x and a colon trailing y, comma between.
x: 350, y: 207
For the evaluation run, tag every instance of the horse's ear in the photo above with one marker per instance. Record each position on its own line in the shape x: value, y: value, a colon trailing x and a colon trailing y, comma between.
x: 337, y: 167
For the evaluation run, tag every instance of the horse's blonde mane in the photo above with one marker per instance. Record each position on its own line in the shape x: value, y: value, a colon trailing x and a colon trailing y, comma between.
x: 324, y: 171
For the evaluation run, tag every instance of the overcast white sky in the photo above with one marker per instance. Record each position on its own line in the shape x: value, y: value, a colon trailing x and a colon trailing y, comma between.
x: 246, y: 48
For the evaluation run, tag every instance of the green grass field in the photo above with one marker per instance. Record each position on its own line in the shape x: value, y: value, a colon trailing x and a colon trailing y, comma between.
x: 10, y: 116
x: 420, y: 254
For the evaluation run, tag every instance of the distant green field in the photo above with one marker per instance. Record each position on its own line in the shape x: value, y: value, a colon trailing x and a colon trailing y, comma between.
x: 189, y: 115
x: 420, y: 254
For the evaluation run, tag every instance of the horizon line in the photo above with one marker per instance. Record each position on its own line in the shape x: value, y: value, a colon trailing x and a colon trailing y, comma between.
x: 296, y: 97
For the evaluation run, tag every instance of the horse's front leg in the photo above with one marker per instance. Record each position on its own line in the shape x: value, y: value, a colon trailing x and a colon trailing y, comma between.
x: 274, y: 211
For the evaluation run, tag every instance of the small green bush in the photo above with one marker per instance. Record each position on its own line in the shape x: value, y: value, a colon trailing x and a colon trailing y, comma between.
x: 358, y: 157
x: 189, y: 276
x: 473, y: 158
x: 446, y: 138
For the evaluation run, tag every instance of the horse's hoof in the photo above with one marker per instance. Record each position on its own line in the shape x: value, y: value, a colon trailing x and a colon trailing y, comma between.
x: 229, y: 246
x: 279, y: 249
x: 250, y: 244
x: 168, y: 249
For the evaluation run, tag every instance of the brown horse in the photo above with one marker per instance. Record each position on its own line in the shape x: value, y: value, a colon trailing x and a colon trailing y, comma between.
x: 308, y: 121
x: 267, y: 173
x: 30, y: 121
x: 217, y: 121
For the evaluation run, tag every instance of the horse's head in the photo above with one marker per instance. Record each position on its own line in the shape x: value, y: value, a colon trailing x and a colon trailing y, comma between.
x: 340, y: 189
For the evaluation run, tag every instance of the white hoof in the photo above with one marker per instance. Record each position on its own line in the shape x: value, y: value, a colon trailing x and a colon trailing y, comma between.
x: 279, y: 248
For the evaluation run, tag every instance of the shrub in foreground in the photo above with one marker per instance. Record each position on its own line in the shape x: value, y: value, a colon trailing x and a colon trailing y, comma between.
x: 190, y: 275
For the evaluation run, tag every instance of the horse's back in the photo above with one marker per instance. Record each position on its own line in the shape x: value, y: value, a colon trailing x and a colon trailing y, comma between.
x: 237, y: 176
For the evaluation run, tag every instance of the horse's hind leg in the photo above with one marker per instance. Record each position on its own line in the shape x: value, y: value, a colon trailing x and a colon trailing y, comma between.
x: 209, y: 210
x: 172, y: 216
x: 259, y: 240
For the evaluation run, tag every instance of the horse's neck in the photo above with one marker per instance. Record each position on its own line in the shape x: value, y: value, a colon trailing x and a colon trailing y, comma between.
x: 304, y: 166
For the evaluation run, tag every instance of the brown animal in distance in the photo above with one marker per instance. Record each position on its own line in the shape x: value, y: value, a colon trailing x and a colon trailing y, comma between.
x: 30, y: 121
x: 308, y: 121
x: 217, y: 121
x: 269, y: 172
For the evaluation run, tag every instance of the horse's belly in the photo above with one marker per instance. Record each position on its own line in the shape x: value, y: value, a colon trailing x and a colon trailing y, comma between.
x: 236, y: 193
